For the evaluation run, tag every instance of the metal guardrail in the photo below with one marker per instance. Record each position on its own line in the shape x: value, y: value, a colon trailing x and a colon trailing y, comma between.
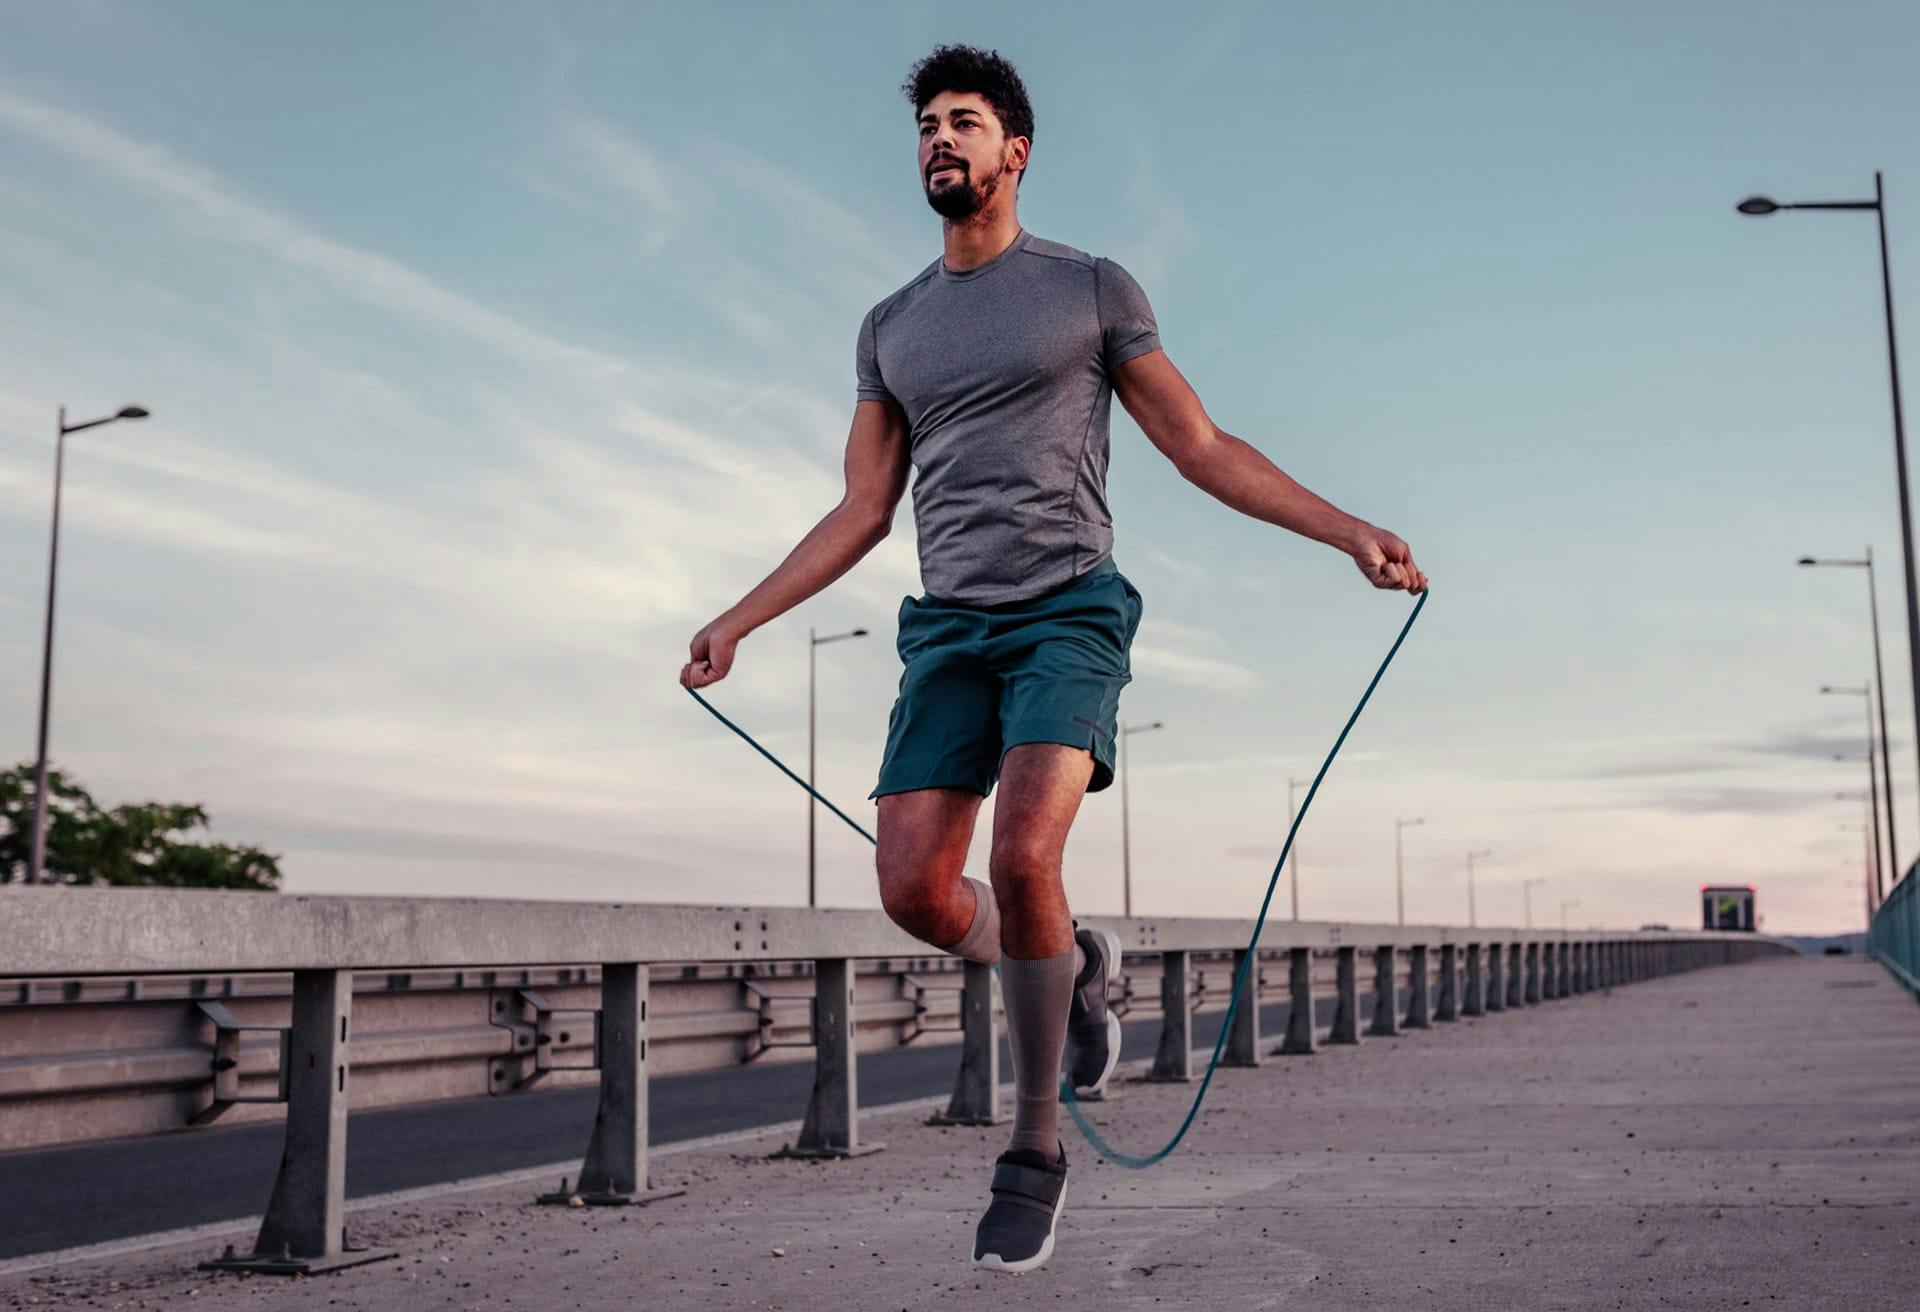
x: 1894, y: 932
x: 69, y: 934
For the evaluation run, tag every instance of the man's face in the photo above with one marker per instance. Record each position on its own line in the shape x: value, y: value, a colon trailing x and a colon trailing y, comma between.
x: 964, y: 153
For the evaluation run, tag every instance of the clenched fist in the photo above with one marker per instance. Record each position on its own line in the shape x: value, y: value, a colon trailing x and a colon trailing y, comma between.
x: 711, y: 653
x: 1387, y: 561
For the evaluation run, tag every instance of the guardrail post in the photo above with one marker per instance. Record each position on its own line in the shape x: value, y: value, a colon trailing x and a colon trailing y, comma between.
x: 615, y: 1170
x: 1563, y: 958
x: 1346, y: 997
x: 1299, y: 1004
x: 976, y: 1089
x: 1577, y: 982
x: 1530, y: 993
x: 1386, y: 1006
x: 1243, y: 1042
x: 1447, y: 1005
x: 304, y: 1231
x: 832, y: 1125
x: 1513, y: 976
x: 1496, y: 988
x: 1173, y: 1063
x: 1419, y: 1015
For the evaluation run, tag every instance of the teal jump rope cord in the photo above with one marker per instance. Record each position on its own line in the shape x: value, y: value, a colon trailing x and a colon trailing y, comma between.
x: 1100, y: 1145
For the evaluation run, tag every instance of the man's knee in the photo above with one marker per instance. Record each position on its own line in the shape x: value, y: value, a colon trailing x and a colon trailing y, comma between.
x: 917, y: 892
x: 1018, y: 863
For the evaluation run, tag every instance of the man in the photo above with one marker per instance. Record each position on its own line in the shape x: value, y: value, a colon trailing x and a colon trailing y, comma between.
x: 992, y: 373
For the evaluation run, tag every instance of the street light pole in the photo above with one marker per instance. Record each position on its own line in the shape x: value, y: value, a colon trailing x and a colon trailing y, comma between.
x: 1873, y: 811
x: 814, y: 643
x: 1759, y: 205
x: 1399, y: 873
x: 1875, y: 880
x: 1873, y: 858
x: 37, y: 861
x: 1126, y: 836
x: 1565, y: 903
x: 1293, y: 861
x: 1473, y: 914
x: 1526, y: 896
x: 1880, y: 692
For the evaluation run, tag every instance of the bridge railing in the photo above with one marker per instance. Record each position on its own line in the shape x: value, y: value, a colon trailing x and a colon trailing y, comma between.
x: 607, y: 1024
x: 1894, y: 932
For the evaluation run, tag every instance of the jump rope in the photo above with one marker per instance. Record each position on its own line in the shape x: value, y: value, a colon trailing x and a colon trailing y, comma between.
x: 1100, y: 1145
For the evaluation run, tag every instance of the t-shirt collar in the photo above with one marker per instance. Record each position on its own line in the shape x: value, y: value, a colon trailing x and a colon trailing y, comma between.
x: 1012, y: 246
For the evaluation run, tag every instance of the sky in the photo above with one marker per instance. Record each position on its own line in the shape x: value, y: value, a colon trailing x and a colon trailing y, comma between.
x: 492, y: 350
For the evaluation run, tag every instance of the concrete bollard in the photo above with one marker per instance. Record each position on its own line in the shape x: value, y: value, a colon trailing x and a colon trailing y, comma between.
x: 1346, y: 997
x: 1447, y: 1005
x: 1419, y: 1013
x: 1173, y: 1062
x: 1243, y: 1042
x: 832, y: 1124
x: 1299, y: 1038
x: 1386, y: 1009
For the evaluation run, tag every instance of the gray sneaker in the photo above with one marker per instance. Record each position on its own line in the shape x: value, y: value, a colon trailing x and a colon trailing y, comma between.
x: 1016, y: 1234
x: 1093, y: 1031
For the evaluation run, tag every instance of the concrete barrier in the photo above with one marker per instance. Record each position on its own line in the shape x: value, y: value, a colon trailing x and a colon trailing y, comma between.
x: 68, y: 935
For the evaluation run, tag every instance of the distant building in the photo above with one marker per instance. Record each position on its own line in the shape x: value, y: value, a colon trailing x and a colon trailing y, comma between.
x: 1727, y: 906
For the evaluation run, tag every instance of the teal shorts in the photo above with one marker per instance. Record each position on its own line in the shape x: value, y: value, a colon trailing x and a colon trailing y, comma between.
x: 981, y: 679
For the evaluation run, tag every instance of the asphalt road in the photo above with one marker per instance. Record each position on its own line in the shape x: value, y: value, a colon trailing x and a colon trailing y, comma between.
x: 93, y: 1193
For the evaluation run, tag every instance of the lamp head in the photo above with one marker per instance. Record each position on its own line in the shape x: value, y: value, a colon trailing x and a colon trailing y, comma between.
x: 1806, y: 560
x: 1757, y: 206
x: 131, y: 412
x: 858, y: 633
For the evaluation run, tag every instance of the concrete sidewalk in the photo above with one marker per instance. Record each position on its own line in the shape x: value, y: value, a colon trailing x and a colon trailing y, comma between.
x: 1733, y: 1137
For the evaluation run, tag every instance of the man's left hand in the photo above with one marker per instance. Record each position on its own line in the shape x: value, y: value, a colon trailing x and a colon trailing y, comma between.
x: 1387, y: 561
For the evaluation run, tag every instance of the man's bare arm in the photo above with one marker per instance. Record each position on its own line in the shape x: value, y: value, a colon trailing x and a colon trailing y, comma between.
x: 876, y: 477
x: 1165, y: 406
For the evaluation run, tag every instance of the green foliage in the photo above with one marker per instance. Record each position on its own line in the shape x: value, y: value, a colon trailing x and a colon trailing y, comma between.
x: 140, y: 843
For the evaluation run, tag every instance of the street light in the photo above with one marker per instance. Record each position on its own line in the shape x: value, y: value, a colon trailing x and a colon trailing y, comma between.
x: 814, y: 643
x: 1126, y: 838
x: 1880, y: 688
x: 1760, y: 205
x: 1399, y: 874
x: 1873, y: 812
x: 37, y: 862
x: 1473, y: 915
x: 1293, y: 861
x: 1526, y: 896
x: 1565, y: 903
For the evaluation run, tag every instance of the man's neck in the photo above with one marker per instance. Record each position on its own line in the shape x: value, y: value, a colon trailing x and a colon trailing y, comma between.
x: 971, y: 242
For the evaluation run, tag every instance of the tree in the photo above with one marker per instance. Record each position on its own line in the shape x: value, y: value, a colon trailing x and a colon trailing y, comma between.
x: 139, y: 843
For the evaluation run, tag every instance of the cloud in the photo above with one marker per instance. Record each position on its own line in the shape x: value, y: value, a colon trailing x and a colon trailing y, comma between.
x: 1179, y: 654
x: 230, y: 215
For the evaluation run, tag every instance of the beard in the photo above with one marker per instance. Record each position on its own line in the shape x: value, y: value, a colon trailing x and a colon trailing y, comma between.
x: 965, y: 198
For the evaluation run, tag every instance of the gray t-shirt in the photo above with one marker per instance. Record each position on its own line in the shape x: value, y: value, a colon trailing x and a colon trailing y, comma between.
x: 1004, y: 372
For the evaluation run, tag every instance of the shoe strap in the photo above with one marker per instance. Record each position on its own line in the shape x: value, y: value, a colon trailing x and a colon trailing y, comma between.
x: 1028, y: 1182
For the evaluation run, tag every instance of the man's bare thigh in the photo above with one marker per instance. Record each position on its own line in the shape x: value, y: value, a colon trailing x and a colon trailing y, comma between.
x: 925, y: 833
x: 1041, y: 787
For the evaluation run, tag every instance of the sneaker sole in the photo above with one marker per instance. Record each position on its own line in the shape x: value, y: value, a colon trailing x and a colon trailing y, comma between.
x: 994, y: 1262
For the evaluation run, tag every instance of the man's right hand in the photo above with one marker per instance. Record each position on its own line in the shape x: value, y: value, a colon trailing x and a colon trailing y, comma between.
x: 712, y: 655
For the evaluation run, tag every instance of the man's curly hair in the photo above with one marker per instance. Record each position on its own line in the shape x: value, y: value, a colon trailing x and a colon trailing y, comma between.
x: 986, y: 73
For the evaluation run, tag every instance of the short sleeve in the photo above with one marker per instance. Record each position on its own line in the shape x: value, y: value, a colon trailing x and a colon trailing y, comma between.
x: 1127, y: 328
x: 866, y: 366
